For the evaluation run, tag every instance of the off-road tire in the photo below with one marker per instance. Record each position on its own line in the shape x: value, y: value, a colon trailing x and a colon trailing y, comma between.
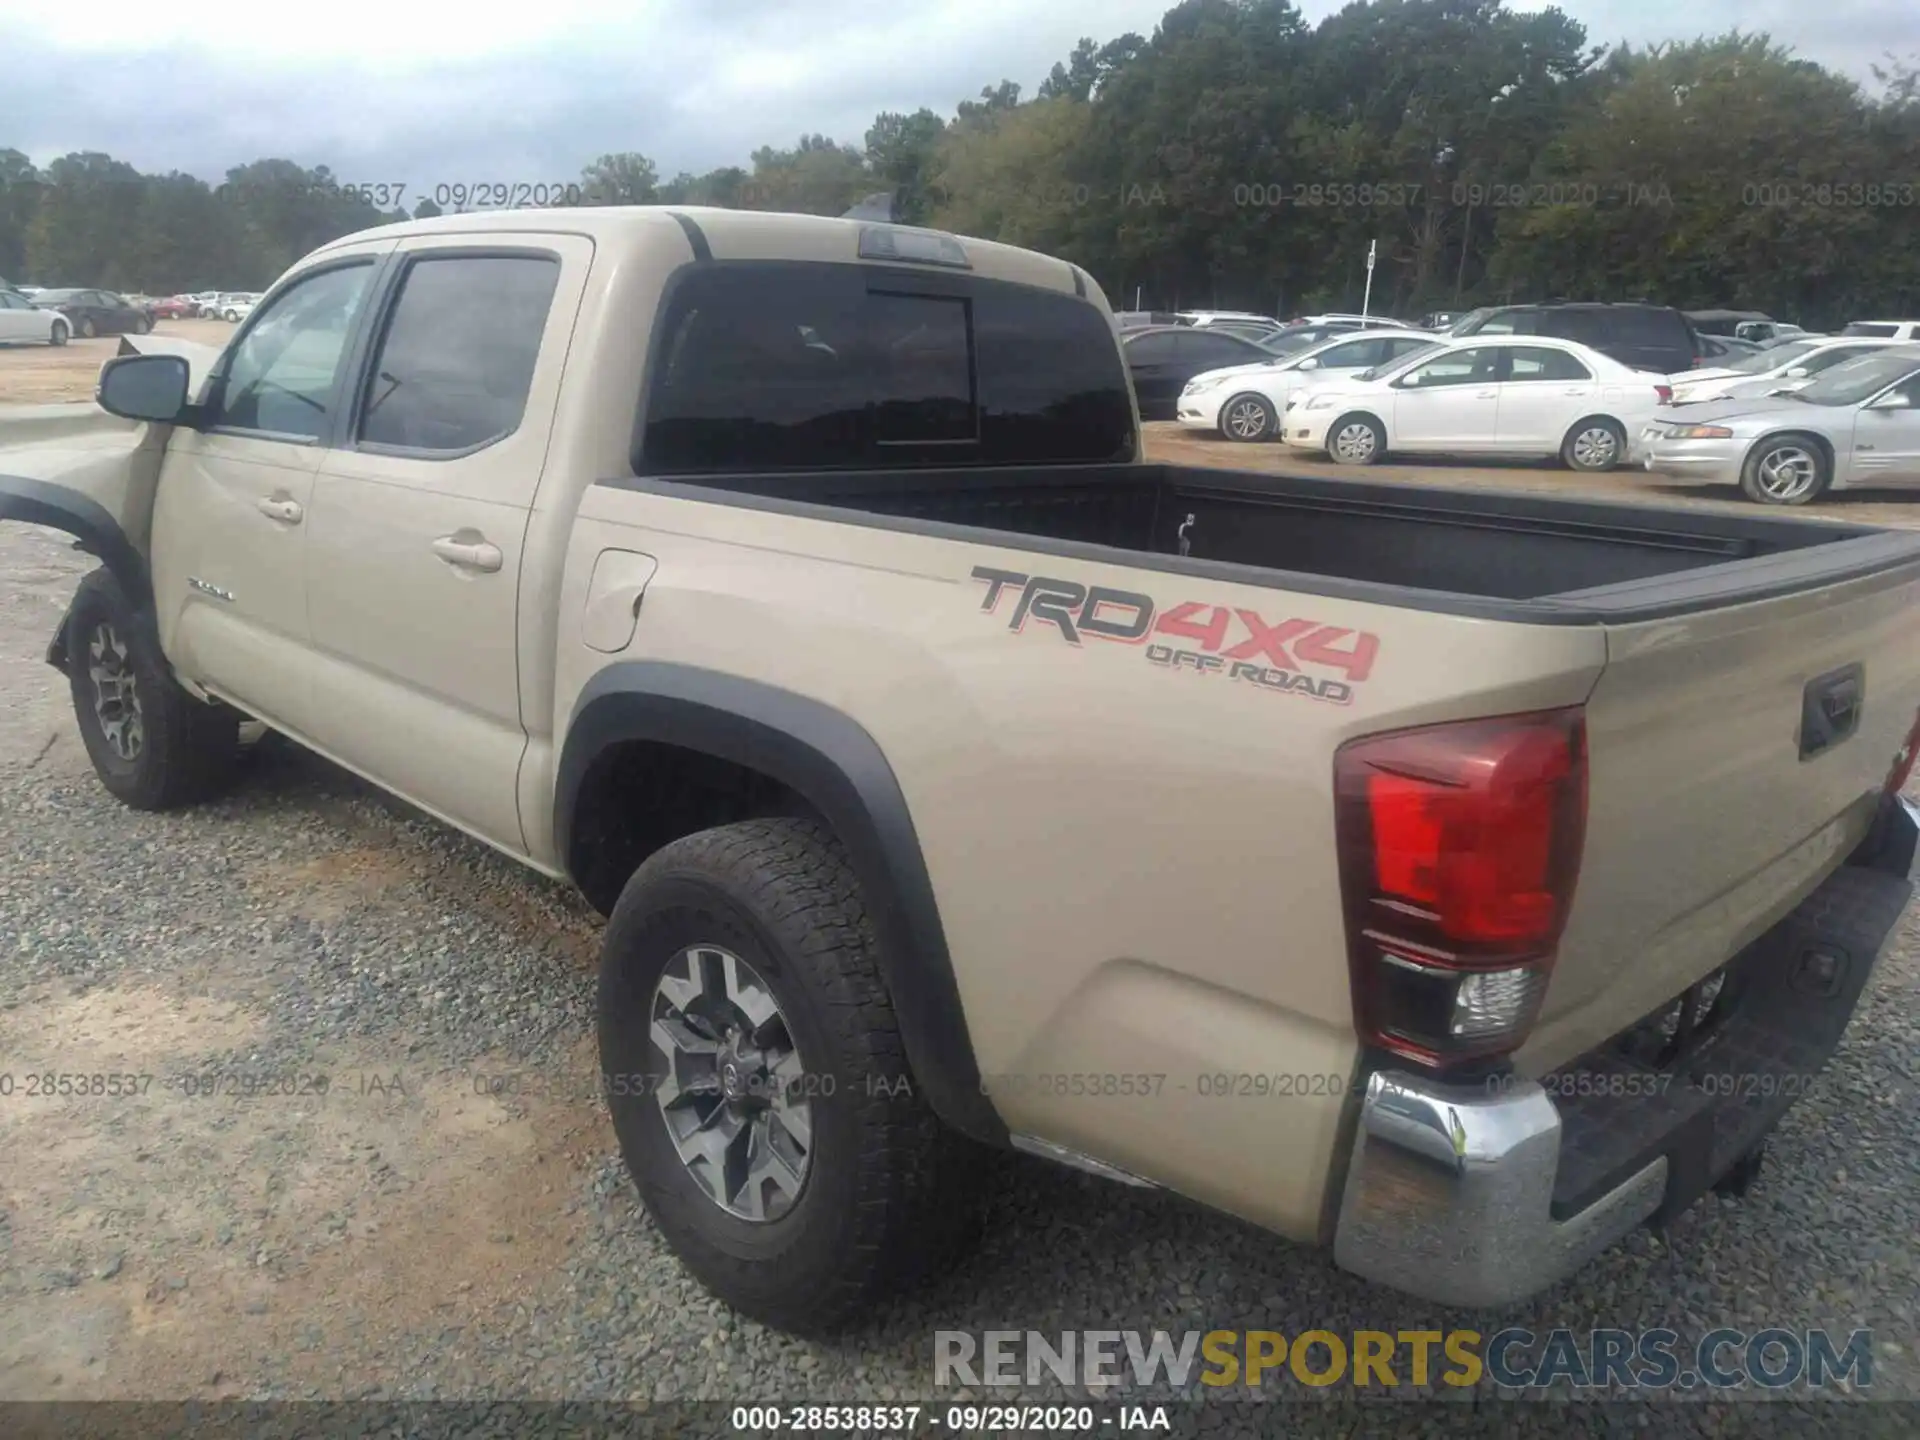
x: 189, y: 750
x: 891, y: 1195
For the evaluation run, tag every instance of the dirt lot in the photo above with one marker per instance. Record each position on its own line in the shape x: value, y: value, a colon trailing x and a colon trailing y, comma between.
x: 447, y: 1218
x: 35, y: 374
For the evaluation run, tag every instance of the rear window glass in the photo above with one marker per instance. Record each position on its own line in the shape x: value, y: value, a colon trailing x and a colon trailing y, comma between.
x: 778, y: 367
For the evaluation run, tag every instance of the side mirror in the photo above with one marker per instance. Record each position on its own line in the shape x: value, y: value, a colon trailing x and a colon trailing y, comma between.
x: 1891, y: 400
x: 1308, y: 365
x: 1797, y: 372
x: 145, y: 387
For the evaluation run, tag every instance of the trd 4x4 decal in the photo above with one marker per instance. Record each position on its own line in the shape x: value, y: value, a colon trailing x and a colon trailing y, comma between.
x: 1239, y: 644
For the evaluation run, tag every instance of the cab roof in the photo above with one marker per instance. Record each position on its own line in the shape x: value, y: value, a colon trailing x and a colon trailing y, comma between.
x: 736, y: 235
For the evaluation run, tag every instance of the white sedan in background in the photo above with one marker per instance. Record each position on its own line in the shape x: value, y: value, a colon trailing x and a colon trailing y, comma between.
x: 1480, y: 395
x: 1245, y: 402
x: 22, y: 321
x: 1783, y: 367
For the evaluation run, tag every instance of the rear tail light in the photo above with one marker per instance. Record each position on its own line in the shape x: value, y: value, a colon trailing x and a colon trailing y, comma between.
x: 1663, y: 394
x: 1903, y: 763
x: 1459, y: 847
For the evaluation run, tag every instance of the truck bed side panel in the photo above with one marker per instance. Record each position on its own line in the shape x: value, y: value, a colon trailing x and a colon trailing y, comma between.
x: 1101, y: 830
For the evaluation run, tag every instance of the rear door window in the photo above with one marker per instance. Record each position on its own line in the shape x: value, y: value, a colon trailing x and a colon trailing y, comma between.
x: 803, y: 366
x: 455, y: 362
x: 1527, y: 362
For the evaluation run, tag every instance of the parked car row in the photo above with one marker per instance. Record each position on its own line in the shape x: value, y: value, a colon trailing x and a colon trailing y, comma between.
x: 1164, y: 358
x: 34, y: 314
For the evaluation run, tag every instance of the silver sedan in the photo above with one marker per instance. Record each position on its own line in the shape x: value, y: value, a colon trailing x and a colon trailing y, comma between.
x: 1857, y: 425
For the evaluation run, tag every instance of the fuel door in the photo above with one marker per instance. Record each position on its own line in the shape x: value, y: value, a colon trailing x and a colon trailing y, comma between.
x: 613, y: 599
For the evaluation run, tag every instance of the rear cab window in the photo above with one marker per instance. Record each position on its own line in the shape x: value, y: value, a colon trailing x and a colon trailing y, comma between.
x: 791, y: 366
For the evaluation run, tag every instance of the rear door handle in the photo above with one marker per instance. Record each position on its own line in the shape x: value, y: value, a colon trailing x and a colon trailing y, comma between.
x: 1486, y: 395
x: 469, y: 551
x: 280, y: 507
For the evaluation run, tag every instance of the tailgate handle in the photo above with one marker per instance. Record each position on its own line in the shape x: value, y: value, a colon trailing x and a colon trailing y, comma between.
x: 1830, y: 710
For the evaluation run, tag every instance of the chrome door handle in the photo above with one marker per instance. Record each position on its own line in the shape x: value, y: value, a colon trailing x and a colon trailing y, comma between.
x: 1487, y: 395
x: 468, y: 551
x: 279, y: 507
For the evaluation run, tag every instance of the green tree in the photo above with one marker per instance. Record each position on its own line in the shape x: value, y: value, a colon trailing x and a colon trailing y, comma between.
x: 901, y: 154
x: 818, y: 176
x: 621, y: 179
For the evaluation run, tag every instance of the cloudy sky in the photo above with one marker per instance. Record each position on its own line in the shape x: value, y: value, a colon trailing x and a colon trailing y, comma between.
x: 394, y: 90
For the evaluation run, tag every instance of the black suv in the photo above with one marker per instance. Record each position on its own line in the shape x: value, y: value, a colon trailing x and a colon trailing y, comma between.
x: 1647, y: 337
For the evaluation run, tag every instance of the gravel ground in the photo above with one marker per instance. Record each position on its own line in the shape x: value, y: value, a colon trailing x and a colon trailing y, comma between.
x: 450, y: 1221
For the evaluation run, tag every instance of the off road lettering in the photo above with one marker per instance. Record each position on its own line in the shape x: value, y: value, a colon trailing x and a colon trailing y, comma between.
x: 1221, y: 639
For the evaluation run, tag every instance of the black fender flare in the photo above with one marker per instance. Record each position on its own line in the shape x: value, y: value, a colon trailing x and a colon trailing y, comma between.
x: 827, y: 758
x: 38, y: 502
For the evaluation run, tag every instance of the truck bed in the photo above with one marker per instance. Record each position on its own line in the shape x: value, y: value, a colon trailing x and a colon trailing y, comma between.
x: 1536, y: 558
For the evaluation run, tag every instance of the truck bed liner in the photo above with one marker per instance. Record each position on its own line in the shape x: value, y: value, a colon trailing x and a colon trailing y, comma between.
x: 1541, y: 559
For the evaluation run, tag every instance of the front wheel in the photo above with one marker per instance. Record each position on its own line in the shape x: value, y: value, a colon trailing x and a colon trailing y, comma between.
x: 1246, y: 418
x: 86, y: 328
x: 152, y: 744
x: 1786, y: 470
x: 758, y: 1085
x: 144, y: 325
x: 58, y: 334
x: 1356, y: 440
x: 1596, y: 445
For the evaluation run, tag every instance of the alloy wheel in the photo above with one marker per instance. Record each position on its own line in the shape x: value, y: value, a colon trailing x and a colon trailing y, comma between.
x: 1247, y: 419
x: 731, y: 1090
x: 116, y: 695
x: 1787, y: 473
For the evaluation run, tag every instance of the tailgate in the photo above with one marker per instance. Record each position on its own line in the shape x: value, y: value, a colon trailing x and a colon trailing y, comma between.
x: 1706, y: 822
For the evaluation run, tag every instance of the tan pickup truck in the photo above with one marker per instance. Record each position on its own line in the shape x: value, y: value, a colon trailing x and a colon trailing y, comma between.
x: 1455, y: 881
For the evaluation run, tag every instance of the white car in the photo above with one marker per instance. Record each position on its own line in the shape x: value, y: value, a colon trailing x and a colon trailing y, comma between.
x: 1786, y: 366
x: 1245, y: 402
x: 1905, y: 331
x: 21, y: 320
x: 233, y: 305
x: 1480, y: 395
x: 1210, y: 317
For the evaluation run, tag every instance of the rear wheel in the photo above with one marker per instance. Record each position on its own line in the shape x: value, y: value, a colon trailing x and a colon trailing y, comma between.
x: 1246, y: 418
x: 1786, y: 470
x: 86, y: 327
x: 153, y: 745
x: 758, y: 1085
x: 1356, y: 440
x: 1596, y: 444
